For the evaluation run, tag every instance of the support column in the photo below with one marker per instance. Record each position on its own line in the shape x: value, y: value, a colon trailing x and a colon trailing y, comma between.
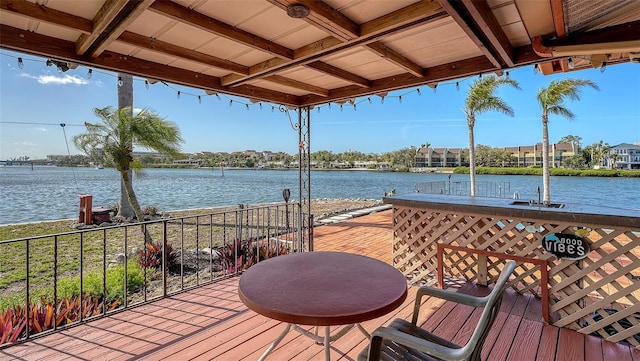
x: 305, y: 224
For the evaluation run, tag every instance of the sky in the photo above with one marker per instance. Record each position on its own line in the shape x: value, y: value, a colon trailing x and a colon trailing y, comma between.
x: 36, y: 99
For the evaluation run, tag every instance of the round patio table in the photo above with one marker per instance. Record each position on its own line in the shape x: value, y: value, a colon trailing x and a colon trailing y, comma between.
x: 322, y: 289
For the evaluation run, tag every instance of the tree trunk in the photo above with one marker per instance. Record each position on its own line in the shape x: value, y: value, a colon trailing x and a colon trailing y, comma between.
x: 546, y: 199
x: 472, y: 156
x: 131, y: 195
x: 125, y: 99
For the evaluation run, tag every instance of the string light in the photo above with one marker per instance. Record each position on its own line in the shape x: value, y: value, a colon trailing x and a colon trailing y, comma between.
x: 89, y: 73
x: 435, y: 88
x: 120, y: 81
x: 247, y: 105
x: 178, y: 96
x: 230, y: 102
x: 535, y: 69
x: 418, y: 90
x: 340, y: 107
x: 400, y: 99
x: 369, y: 99
x: 507, y: 73
x: 457, y: 85
x: 20, y: 63
x: 146, y: 84
x: 199, y: 100
x: 480, y: 76
x: 382, y: 100
x: 603, y: 67
x: 570, y: 63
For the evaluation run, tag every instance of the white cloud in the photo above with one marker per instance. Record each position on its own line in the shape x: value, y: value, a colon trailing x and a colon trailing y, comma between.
x: 57, y: 80
x: 40, y: 129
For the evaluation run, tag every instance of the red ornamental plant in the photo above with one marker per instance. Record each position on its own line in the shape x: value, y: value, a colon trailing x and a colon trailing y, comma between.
x: 151, y: 255
x: 41, y: 316
x: 239, y: 255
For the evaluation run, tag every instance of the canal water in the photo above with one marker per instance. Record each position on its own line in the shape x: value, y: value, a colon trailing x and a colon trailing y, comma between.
x: 49, y: 193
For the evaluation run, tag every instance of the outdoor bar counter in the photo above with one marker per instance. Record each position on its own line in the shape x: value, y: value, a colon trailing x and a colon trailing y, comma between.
x: 583, y: 261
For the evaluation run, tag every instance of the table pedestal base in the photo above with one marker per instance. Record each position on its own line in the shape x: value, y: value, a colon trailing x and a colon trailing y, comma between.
x: 323, y: 340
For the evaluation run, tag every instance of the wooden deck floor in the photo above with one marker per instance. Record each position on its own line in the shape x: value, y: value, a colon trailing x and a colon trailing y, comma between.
x: 210, y: 322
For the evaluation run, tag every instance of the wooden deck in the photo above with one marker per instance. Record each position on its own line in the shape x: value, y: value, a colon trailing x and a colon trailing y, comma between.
x: 210, y: 322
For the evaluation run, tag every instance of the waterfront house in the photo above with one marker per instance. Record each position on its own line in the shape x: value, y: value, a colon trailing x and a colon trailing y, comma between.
x: 624, y: 156
x: 299, y: 55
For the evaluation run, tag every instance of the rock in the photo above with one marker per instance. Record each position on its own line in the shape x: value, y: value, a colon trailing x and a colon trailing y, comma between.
x: 210, y: 251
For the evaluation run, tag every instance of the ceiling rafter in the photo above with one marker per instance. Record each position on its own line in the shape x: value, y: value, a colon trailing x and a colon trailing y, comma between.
x: 105, y: 16
x: 403, y: 19
x: 180, y: 52
x: 211, y: 25
x: 396, y: 58
x: 434, y: 74
x: 312, y: 89
x: 461, y: 16
x: 112, y: 27
x: 340, y: 73
x: 32, y: 43
x: 52, y: 16
x: 487, y: 23
x: 325, y: 17
x: 557, y: 11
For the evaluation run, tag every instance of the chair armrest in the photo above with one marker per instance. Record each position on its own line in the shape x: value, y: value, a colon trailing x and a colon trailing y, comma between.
x: 417, y: 343
x: 445, y: 295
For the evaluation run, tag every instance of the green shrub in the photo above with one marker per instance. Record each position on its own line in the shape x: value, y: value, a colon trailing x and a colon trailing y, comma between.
x: 92, y: 282
x: 629, y: 173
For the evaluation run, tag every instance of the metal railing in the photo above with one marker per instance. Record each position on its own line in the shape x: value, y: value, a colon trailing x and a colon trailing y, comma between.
x: 108, y: 269
x: 463, y: 188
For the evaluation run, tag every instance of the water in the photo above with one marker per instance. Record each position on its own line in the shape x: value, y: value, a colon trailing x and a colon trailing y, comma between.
x: 49, y: 193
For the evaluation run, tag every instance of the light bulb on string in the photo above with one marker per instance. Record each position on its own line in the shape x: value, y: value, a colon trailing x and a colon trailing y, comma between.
x: 507, y: 73
x: 89, y: 73
x: 435, y: 88
x: 230, y: 102
x: 273, y: 108
x: 354, y: 107
x: 199, y: 100
x: 120, y: 81
x: 381, y: 100
x: 247, y: 105
x: 603, y: 67
x: 260, y: 104
x: 369, y: 99
x: 418, y: 90
x: 457, y: 85
x: 535, y: 69
x: 146, y: 84
x: 318, y: 110
x: 20, y: 63
x: 340, y: 107
x: 400, y: 99
x: 178, y: 95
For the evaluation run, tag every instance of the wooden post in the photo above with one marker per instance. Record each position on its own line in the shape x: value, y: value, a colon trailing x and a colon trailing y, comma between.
x: 483, y: 274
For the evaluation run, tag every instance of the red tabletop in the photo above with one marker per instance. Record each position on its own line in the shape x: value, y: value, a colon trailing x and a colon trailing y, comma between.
x: 322, y: 288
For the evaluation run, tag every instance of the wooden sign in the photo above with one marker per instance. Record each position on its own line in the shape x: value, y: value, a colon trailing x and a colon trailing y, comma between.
x: 566, y: 246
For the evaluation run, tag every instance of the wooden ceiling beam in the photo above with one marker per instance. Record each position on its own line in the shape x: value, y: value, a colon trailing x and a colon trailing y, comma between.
x: 297, y: 85
x: 116, y: 26
x: 51, y: 16
x: 487, y: 23
x: 41, y: 45
x: 461, y: 16
x: 185, y: 15
x: 340, y: 73
x: 103, y: 19
x: 396, y: 58
x: 180, y: 52
x: 406, y: 18
x: 444, y: 72
x: 324, y: 17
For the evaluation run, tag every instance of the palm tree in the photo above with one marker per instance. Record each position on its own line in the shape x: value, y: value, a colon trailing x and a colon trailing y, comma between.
x: 552, y: 99
x: 117, y: 133
x: 125, y: 100
x: 481, y: 98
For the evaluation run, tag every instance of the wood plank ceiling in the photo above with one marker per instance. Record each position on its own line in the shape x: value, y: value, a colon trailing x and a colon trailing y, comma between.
x: 337, y: 51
